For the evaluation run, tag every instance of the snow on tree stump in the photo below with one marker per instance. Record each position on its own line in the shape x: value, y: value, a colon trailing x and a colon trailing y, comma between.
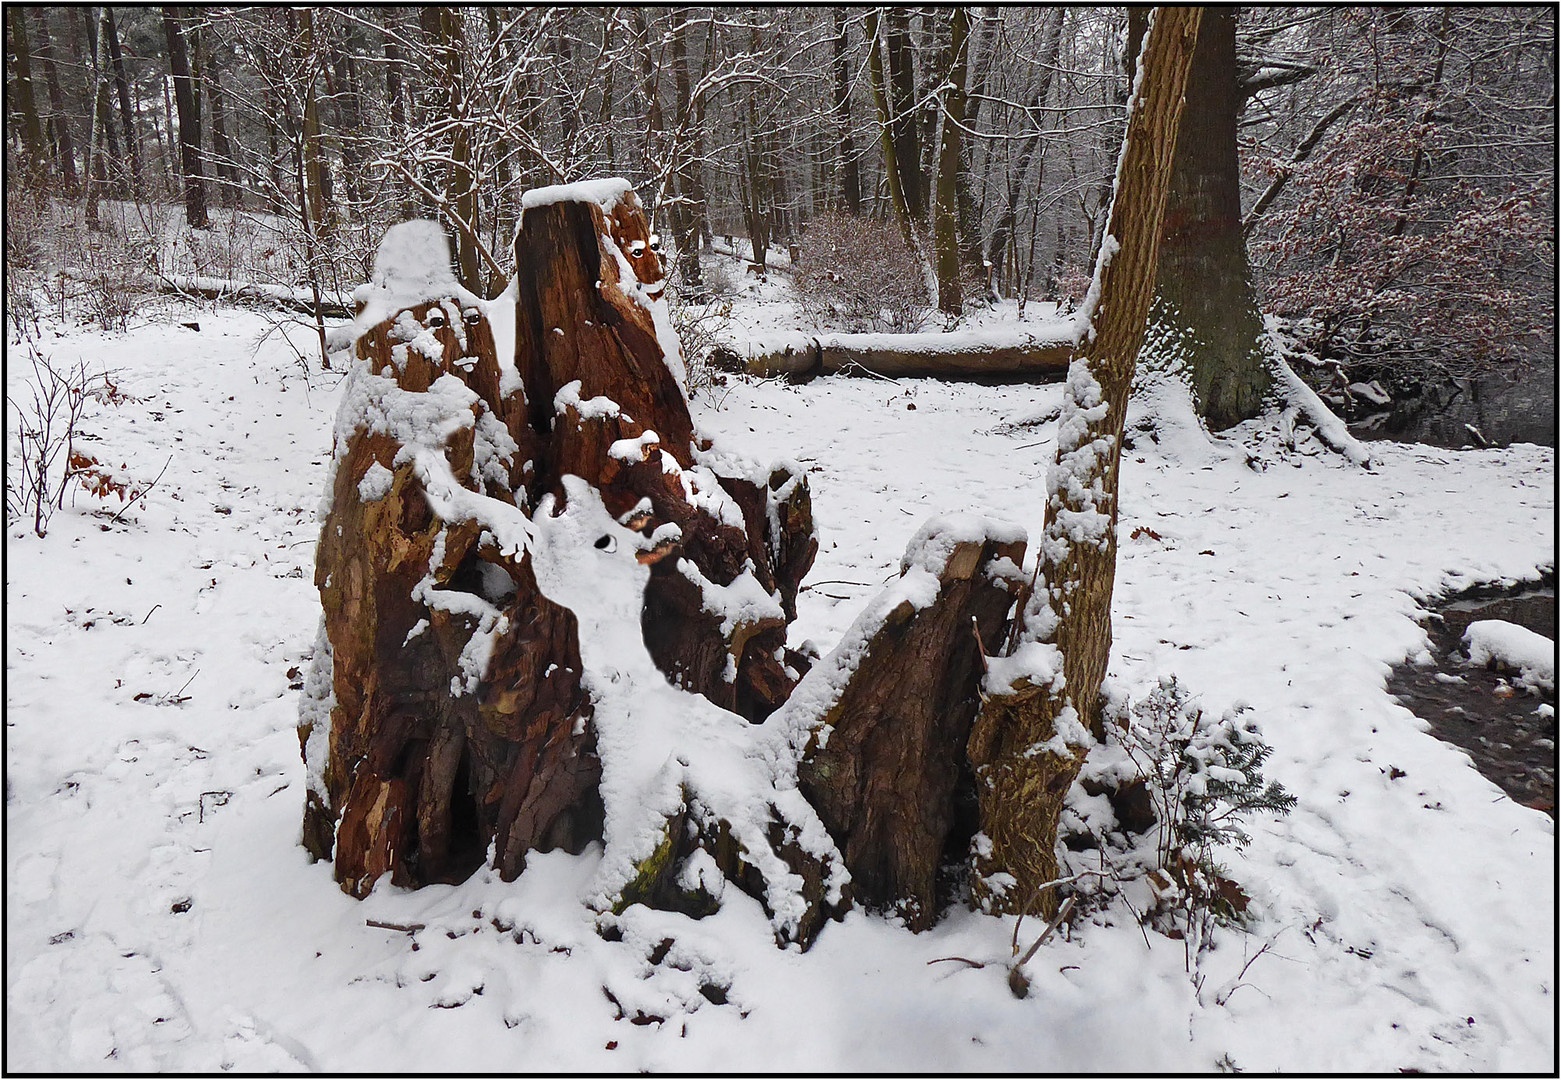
x: 553, y: 613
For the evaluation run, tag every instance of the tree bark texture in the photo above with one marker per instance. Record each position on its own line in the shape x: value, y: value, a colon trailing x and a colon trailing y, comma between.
x: 64, y: 145
x: 945, y: 225
x: 1029, y: 739
x: 447, y: 40
x: 188, y: 105
x: 1204, y: 300
x: 850, y: 173
x: 902, y: 124
x: 21, y: 101
x: 886, y: 769
x: 886, y: 141
x: 126, y: 108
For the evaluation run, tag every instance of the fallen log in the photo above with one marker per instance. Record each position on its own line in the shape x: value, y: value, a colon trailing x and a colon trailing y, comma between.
x: 998, y: 353
x: 332, y: 305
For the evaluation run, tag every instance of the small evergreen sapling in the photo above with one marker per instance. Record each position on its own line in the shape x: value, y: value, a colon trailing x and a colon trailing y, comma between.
x: 1205, y: 778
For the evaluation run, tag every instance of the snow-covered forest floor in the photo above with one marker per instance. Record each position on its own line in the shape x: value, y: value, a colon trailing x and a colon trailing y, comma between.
x: 162, y: 914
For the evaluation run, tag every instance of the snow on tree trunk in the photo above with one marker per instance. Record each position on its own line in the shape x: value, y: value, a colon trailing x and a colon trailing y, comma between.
x: 553, y: 612
x: 1029, y: 740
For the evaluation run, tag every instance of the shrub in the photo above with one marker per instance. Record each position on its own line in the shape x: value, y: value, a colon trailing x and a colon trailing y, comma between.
x: 1204, y: 778
x: 858, y: 274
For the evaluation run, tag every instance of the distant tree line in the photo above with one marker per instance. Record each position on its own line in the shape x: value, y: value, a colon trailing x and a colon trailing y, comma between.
x: 1394, y: 172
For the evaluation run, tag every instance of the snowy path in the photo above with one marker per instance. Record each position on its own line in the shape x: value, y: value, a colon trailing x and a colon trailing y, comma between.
x: 161, y: 914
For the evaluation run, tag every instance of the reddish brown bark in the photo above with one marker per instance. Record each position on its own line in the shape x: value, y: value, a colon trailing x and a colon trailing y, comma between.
x: 421, y: 779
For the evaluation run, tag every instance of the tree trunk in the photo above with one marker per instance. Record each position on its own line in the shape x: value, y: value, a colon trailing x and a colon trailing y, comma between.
x: 316, y: 176
x: 891, y: 165
x: 1051, y: 46
x: 1030, y: 737
x: 849, y: 172
x: 1204, y: 300
x: 971, y: 212
x: 22, y: 102
x: 687, y: 204
x: 884, y: 764
x: 229, y: 189
x: 945, y: 228
x: 902, y: 124
x: 97, y: 168
x: 127, y: 113
x: 442, y: 25
x: 64, y: 145
x: 189, y: 120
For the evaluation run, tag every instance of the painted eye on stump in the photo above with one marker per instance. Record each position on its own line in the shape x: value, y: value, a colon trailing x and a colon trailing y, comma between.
x: 435, y: 319
x: 472, y: 316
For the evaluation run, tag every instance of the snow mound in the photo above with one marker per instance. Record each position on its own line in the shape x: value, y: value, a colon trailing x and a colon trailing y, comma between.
x: 1505, y: 644
x: 411, y: 267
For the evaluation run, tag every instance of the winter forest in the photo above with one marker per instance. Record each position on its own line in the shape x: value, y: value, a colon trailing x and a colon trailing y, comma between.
x: 944, y: 538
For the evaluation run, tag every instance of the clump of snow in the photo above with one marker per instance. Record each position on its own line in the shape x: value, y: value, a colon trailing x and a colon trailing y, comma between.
x: 376, y: 483
x: 1508, y: 645
x: 595, y: 408
x: 606, y: 193
x: 411, y: 267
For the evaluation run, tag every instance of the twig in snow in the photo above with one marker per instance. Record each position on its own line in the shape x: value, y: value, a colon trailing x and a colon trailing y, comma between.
x: 404, y: 928
x: 178, y: 695
x: 142, y: 494
x: 1018, y: 982
x: 149, y: 613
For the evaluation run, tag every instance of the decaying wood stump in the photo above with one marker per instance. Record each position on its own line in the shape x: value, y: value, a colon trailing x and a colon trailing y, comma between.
x: 453, y: 706
x: 614, y: 413
x: 554, y: 613
x: 884, y: 764
x: 450, y: 708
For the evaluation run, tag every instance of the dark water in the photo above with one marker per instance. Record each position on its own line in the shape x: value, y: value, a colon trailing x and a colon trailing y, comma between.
x: 1501, y: 409
x: 1512, y: 741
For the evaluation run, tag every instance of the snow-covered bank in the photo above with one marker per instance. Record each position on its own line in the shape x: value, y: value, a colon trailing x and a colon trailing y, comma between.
x: 162, y: 914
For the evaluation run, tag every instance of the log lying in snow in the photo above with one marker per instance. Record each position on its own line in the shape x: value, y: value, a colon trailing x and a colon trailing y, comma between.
x: 332, y: 305
x: 997, y: 353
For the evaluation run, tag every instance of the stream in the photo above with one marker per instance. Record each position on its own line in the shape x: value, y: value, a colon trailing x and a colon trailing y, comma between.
x: 1510, y: 733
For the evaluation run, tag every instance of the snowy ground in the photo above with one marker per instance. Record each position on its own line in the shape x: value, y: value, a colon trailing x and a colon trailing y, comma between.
x: 161, y: 914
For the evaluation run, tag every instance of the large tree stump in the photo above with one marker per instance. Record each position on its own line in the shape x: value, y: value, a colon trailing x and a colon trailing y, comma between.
x: 530, y: 557
x: 884, y: 761
x: 554, y: 613
x: 446, y: 710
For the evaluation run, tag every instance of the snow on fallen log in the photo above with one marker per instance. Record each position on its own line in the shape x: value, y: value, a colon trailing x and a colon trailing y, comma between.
x: 1008, y: 351
x: 1302, y: 402
x: 332, y: 304
x: 1507, y: 646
